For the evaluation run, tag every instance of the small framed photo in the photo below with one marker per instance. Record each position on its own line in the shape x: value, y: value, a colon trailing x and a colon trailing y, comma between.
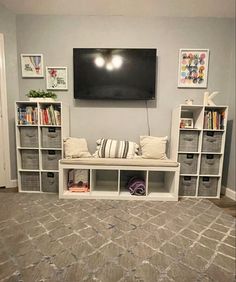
x: 193, y: 68
x: 186, y: 123
x: 56, y: 78
x: 32, y: 65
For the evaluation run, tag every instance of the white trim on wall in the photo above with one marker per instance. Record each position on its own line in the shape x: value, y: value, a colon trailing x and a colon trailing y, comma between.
x: 230, y: 194
x: 9, y: 182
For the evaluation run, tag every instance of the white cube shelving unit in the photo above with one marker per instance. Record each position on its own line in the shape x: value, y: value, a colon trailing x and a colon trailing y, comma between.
x: 200, y: 150
x: 39, y: 144
x: 109, y: 182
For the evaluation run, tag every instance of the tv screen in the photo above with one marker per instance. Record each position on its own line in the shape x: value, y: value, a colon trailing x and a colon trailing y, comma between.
x: 115, y: 74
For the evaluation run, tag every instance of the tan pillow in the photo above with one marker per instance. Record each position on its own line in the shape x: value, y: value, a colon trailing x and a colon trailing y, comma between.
x: 153, y: 147
x: 76, y: 148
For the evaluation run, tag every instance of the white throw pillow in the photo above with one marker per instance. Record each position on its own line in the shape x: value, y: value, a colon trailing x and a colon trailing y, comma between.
x: 153, y: 147
x: 76, y: 148
x: 109, y: 148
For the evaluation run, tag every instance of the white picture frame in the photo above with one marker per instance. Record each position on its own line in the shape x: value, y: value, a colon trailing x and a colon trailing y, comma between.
x: 32, y: 65
x: 193, y: 68
x: 186, y: 123
x: 56, y: 78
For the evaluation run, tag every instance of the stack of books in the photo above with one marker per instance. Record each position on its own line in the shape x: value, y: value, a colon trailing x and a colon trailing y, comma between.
x: 214, y: 119
x: 50, y: 116
x: 27, y: 115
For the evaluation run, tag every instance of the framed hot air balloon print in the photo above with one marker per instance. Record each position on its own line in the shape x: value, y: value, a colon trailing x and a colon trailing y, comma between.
x: 32, y: 65
x: 193, y: 68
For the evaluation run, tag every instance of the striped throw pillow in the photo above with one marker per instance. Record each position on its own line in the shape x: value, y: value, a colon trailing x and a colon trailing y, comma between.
x: 109, y: 148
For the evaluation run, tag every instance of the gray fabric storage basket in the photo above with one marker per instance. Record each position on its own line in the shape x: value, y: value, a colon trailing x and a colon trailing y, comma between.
x: 29, y: 137
x: 187, y: 185
x: 188, y: 141
x: 207, y: 186
x: 30, y: 159
x: 51, y: 137
x: 50, y: 159
x: 188, y: 163
x: 30, y: 181
x: 210, y: 164
x: 212, y: 141
x: 50, y: 182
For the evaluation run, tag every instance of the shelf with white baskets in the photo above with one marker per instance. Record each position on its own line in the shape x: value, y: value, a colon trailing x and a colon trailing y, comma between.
x: 40, y: 129
x: 199, y: 148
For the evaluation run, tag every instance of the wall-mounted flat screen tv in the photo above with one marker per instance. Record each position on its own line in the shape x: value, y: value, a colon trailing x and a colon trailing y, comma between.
x: 114, y: 74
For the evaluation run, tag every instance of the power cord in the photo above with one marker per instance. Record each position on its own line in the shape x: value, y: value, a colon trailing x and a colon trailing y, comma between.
x: 148, y: 123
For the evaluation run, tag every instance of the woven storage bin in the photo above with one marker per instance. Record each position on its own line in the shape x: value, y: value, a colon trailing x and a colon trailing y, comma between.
x: 29, y: 137
x: 50, y: 159
x: 188, y: 163
x: 50, y: 182
x: 188, y: 141
x: 30, y: 181
x: 30, y: 159
x: 187, y: 185
x: 212, y: 141
x: 210, y: 164
x: 51, y: 137
x: 207, y: 186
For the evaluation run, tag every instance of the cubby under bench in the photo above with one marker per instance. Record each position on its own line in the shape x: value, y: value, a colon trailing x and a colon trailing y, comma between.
x: 107, y: 178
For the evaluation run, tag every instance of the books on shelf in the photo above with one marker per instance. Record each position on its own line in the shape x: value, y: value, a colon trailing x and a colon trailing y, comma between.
x: 50, y: 115
x: 27, y: 115
x: 214, y: 119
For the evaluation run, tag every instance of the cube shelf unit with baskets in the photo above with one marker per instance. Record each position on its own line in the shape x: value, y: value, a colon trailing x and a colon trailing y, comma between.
x: 199, y: 148
x: 40, y: 129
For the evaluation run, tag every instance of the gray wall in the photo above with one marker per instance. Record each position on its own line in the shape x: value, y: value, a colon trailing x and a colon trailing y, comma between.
x: 55, y: 36
x: 8, y: 28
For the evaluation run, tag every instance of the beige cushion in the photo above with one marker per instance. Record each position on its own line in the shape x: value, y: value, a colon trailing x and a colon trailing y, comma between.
x: 140, y: 162
x: 76, y: 148
x: 153, y: 147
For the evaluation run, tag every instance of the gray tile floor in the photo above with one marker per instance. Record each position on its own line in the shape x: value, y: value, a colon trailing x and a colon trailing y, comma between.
x: 46, y: 239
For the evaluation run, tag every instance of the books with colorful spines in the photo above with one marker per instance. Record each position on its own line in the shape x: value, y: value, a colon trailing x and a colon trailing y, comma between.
x: 29, y: 111
x: 45, y: 119
x: 35, y: 116
x: 222, y: 115
x: 22, y: 116
x: 57, y: 117
x: 52, y: 116
x: 209, y: 120
x: 205, y: 120
x: 214, y: 126
x: 49, y: 120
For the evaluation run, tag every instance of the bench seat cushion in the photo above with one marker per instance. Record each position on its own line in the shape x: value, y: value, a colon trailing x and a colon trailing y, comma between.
x: 121, y: 162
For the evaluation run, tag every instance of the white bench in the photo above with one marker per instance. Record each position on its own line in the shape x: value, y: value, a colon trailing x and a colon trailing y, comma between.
x: 108, y: 178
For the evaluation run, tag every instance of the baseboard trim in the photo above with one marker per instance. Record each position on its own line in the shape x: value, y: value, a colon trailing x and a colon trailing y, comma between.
x: 230, y: 194
x: 12, y: 183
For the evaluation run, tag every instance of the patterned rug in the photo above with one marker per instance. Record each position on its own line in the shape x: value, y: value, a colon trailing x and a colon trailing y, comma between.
x: 46, y: 239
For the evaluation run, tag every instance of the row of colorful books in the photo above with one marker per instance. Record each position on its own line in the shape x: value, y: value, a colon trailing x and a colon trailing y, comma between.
x: 50, y: 116
x: 214, y: 120
x: 27, y: 115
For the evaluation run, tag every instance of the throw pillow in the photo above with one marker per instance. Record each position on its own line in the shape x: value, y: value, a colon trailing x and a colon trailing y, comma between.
x: 153, y: 147
x: 109, y: 148
x: 76, y: 148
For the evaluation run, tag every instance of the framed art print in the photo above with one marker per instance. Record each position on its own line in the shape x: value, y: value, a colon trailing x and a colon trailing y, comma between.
x: 56, y: 78
x: 32, y: 65
x: 193, y: 68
